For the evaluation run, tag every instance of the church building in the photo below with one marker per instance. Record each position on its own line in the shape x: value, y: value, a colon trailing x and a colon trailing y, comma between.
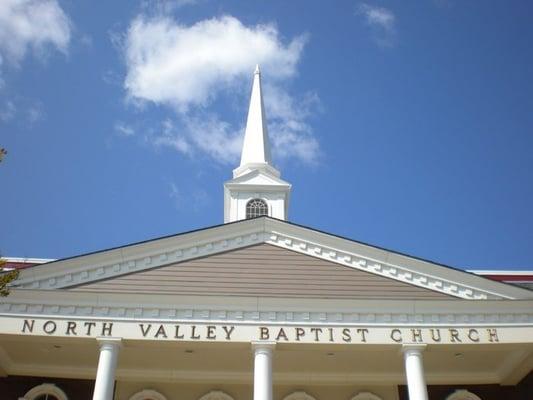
x: 261, y: 308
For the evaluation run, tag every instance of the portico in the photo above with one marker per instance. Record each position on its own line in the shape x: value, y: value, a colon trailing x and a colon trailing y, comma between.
x: 265, y: 346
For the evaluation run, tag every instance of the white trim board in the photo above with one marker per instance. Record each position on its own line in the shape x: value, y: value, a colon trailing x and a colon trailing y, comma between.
x: 124, y: 306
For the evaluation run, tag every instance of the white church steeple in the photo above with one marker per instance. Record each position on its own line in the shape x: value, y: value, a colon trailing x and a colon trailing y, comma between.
x: 256, y: 188
x: 256, y: 148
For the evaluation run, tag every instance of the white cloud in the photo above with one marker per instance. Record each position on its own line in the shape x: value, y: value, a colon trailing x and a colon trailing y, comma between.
x: 169, y: 63
x: 26, y: 26
x: 124, y: 129
x: 188, y: 68
x: 290, y: 133
x: 32, y: 25
x: 378, y: 16
x: 207, y: 135
x: 215, y: 137
x: 381, y: 20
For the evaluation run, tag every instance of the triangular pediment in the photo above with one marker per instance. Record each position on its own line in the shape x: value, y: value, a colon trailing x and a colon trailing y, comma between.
x: 262, y: 270
x: 284, y: 257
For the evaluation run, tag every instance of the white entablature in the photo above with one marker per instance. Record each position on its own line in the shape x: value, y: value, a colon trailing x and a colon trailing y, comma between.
x: 256, y: 188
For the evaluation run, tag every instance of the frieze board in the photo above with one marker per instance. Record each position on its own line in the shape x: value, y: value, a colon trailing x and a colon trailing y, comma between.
x: 187, y: 331
x: 280, y: 318
x: 261, y: 310
x: 231, y: 237
x: 265, y: 310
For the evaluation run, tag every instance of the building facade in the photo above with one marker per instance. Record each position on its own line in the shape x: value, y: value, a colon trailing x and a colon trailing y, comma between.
x: 261, y: 307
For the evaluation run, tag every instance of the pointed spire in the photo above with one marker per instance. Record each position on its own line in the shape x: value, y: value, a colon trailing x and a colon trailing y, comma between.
x: 256, y: 180
x: 256, y: 148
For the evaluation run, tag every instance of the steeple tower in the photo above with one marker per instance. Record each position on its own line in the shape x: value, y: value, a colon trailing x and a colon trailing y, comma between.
x: 256, y: 188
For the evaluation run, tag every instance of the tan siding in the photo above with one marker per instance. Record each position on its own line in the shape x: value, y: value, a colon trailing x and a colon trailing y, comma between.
x: 262, y: 270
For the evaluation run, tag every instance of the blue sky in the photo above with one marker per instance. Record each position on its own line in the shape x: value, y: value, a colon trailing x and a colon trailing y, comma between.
x: 407, y: 125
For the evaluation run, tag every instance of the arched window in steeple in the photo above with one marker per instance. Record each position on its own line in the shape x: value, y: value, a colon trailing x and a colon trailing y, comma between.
x: 256, y: 208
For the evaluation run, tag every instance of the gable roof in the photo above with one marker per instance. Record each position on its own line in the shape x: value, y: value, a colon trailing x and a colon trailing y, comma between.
x: 155, y: 253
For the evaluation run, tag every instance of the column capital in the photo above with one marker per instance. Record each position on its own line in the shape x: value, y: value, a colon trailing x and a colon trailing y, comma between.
x: 263, y: 345
x: 413, y: 348
x: 114, y: 342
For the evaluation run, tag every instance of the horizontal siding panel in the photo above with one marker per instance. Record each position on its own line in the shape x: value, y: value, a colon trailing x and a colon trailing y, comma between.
x: 278, y: 285
x: 262, y: 270
x: 238, y: 274
x: 258, y: 287
x: 252, y: 293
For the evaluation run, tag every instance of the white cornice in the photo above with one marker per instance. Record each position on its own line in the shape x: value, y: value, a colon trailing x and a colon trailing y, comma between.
x: 256, y: 310
x: 153, y: 254
x: 28, y: 260
x: 500, y: 272
x: 258, y: 178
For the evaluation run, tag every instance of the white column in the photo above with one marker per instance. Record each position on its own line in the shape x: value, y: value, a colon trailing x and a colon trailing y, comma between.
x: 414, y: 370
x: 263, y: 370
x: 107, y: 363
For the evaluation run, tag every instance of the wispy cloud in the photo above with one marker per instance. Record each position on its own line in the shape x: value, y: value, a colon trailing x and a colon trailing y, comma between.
x: 188, y: 69
x: 165, y: 6
x: 7, y: 111
x: 123, y: 129
x: 381, y: 20
x: 86, y: 40
x: 170, y: 137
x: 290, y: 132
x: 175, y: 195
x: 32, y: 25
x: 25, y: 111
x: 35, y: 113
x: 28, y: 26
x: 194, y: 200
